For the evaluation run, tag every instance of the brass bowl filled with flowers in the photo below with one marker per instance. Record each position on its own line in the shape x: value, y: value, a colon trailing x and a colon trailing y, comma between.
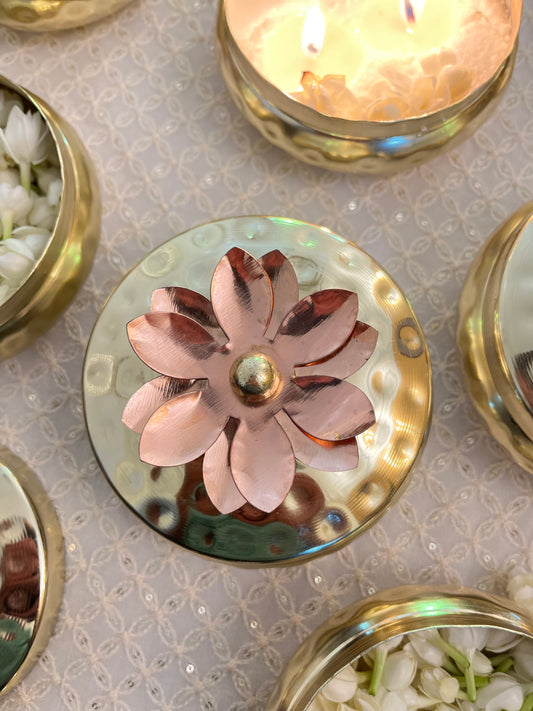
x: 444, y: 648
x: 49, y: 216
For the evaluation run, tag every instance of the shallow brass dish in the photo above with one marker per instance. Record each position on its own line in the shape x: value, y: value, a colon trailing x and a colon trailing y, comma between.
x: 67, y: 259
x: 356, y: 629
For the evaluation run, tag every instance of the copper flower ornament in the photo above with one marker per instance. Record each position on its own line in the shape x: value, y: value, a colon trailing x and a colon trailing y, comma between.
x: 252, y: 380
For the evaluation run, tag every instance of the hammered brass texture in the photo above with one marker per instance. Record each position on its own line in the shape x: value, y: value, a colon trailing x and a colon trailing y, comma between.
x: 32, y: 569
x: 323, y: 510
x: 488, y: 375
x: 361, y: 626
x: 47, y: 15
x: 353, y: 146
x: 67, y: 259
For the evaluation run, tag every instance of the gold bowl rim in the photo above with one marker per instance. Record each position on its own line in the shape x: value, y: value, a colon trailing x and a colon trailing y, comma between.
x: 387, y: 614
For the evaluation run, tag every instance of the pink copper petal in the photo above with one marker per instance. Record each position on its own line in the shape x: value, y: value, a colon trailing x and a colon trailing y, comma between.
x: 351, y: 356
x: 148, y: 398
x: 242, y: 297
x: 180, y: 430
x: 341, y: 456
x: 178, y: 300
x: 218, y: 480
x: 318, y: 325
x: 285, y: 287
x: 328, y: 408
x: 262, y: 464
x: 172, y: 344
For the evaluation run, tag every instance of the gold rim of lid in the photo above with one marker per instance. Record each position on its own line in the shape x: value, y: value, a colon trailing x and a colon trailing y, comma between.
x: 32, y: 569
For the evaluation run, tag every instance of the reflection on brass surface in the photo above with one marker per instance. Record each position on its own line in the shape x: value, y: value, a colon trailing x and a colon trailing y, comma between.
x: 352, y: 146
x: 323, y: 510
x: 46, y: 15
x: 66, y: 261
x: 31, y: 569
x: 359, y: 627
x: 495, y: 330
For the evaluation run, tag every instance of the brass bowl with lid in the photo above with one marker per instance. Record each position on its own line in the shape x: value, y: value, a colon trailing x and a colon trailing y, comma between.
x: 358, y: 628
x: 495, y: 334
x: 67, y: 259
x: 32, y: 569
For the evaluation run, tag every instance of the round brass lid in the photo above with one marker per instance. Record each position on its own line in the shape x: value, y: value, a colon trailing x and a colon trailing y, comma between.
x: 31, y: 569
x: 495, y: 334
x: 323, y: 509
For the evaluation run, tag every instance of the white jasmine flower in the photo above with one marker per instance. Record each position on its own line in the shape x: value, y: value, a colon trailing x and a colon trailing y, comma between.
x: 502, y: 694
x: 391, y: 701
x: 438, y: 684
x: 35, y: 239
x: 342, y: 687
x: 15, y: 203
x: 42, y: 214
x: 46, y: 176
x: 53, y: 194
x: 501, y: 641
x: 520, y: 588
x: 523, y: 659
x: 423, y: 646
x: 466, y: 639
x: 15, y: 262
x: 364, y: 702
x: 24, y: 141
x: 398, y: 671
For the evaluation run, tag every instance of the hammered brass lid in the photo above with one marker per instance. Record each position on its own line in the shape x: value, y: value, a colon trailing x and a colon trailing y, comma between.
x: 496, y: 334
x: 324, y: 509
x: 31, y: 569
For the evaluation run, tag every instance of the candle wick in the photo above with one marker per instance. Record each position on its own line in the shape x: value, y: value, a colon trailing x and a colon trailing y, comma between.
x: 312, y: 49
x: 409, y: 12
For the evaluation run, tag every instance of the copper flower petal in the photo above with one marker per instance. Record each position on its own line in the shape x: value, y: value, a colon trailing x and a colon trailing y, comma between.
x: 317, y: 325
x: 262, y: 464
x: 284, y: 287
x: 181, y: 430
x: 341, y: 456
x: 172, y: 344
x: 351, y: 356
x: 218, y: 480
x: 242, y: 297
x: 328, y: 408
x: 179, y: 300
x: 148, y: 398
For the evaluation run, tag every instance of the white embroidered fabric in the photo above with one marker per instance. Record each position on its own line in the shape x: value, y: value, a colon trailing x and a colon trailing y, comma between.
x: 146, y: 626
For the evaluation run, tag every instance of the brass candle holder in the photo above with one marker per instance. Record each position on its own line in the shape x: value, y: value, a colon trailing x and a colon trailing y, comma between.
x: 495, y: 335
x: 66, y: 260
x: 340, y: 144
x: 358, y: 628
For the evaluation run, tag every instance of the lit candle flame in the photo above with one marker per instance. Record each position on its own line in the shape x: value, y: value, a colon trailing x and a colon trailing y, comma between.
x: 313, y: 32
x: 411, y: 11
